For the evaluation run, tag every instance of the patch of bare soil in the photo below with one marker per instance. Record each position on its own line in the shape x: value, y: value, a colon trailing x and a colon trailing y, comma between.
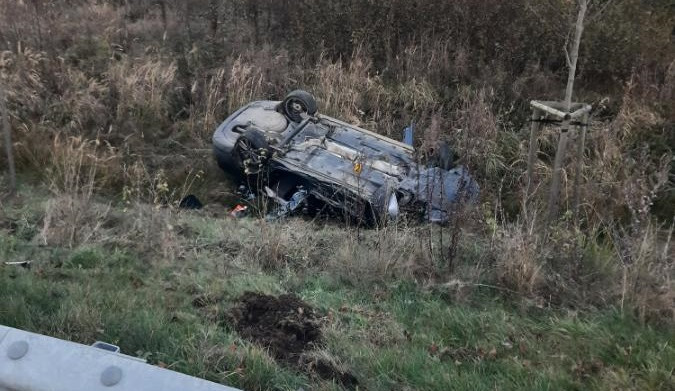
x: 327, y: 368
x: 284, y: 324
x: 289, y: 328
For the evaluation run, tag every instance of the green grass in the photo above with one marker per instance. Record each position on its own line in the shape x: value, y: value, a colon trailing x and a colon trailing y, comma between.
x: 395, y: 335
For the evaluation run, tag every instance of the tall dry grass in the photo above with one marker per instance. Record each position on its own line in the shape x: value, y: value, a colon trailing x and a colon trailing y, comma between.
x: 647, y: 271
x: 244, y: 84
x: 520, y: 262
x: 77, y: 169
x: 142, y: 95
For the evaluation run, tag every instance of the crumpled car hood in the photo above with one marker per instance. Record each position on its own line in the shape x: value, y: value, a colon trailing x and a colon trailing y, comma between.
x: 440, y: 190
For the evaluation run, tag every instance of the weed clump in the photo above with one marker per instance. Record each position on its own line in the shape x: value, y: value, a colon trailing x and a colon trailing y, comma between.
x: 84, y: 259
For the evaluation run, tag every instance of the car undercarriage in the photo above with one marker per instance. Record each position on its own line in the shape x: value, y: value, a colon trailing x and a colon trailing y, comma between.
x: 303, y: 160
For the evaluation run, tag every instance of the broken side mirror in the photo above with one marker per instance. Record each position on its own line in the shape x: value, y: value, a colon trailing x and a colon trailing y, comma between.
x: 392, y: 207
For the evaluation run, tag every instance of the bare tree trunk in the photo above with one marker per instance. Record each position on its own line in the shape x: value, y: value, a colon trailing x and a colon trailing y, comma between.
x: 256, y: 26
x: 186, y: 21
x: 574, y: 55
x: 213, y: 9
x: 37, y: 16
x: 554, y: 198
x: 162, y: 8
x: 389, y: 37
x: 8, y: 142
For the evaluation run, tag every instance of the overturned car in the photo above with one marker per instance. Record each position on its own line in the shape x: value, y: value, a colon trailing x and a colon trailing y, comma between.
x: 308, y: 161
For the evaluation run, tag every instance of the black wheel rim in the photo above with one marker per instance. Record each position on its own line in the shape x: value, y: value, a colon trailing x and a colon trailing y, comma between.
x: 247, y: 156
x: 245, y: 150
x: 295, y: 107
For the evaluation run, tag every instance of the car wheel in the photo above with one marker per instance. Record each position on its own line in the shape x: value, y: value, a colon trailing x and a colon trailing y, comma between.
x: 298, y: 102
x: 251, y: 151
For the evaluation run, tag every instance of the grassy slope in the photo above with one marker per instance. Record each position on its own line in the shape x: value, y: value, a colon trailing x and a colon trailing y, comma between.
x: 395, y: 335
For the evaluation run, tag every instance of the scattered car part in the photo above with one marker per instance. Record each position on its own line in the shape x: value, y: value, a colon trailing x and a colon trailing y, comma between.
x: 392, y: 209
x: 24, y: 264
x: 285, y: 207
x: 190, y: 202
x: 408, y: 134
x: 339, y: 166
x: 239, y: 211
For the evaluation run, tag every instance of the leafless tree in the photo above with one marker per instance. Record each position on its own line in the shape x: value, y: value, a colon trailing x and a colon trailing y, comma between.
x: 8, y: 141
x: 571, y: 55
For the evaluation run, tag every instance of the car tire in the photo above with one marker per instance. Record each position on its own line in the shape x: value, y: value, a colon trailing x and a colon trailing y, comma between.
x: 296, y: 103
x: 251, y: 152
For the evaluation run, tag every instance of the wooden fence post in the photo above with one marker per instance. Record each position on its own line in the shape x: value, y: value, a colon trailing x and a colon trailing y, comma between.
x: 554, y: 195
x: 579, y: 164
x: 533, y: 147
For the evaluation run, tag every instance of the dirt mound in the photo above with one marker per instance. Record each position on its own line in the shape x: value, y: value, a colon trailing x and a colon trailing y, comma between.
x: 284, y: 324
x: 291, y: 329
